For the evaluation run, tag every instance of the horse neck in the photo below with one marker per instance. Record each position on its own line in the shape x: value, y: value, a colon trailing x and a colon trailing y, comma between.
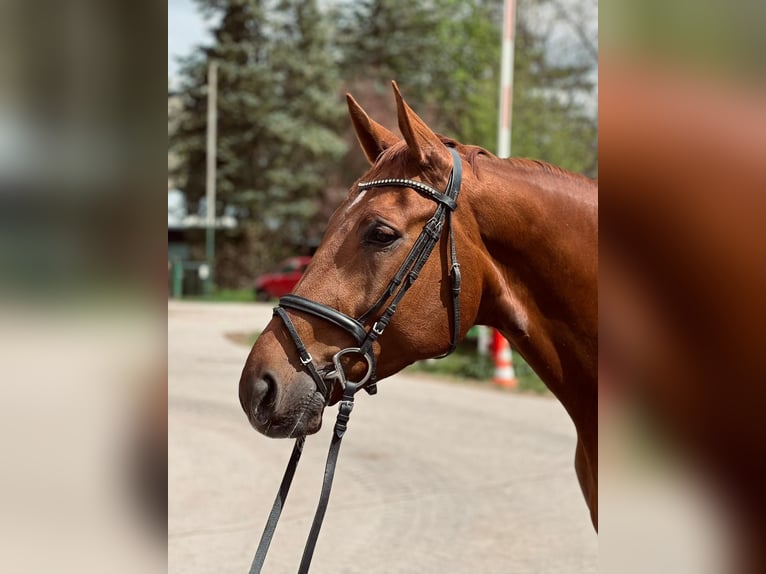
x: 539, y: 230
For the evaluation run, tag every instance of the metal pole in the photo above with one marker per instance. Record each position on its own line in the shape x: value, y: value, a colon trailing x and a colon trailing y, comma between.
x: 506, y: 80
x: 212, y: 122
x: 504, y: 138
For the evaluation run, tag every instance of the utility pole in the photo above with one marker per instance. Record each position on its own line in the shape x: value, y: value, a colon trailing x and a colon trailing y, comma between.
x: 506, y: 80
x: 212, y: 124
x: 505, y: 375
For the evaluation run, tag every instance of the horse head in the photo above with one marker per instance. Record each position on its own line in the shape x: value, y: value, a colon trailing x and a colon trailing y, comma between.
x: 369, y: 241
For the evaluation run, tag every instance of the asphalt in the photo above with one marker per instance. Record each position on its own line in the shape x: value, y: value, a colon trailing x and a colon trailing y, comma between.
x: 434, y: 476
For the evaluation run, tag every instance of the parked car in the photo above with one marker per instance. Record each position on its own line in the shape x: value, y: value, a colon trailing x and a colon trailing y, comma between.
x: 281, y: 281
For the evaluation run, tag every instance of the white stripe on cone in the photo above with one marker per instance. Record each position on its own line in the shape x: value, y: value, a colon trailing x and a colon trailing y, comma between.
x: 504, y: 373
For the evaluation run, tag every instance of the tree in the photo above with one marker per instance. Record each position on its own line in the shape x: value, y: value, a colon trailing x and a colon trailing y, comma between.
x: 443, y: 53
x: 281, y: 65
x: 384, y: 40
x: 554, y: 79
x: 466, y: 75
x: 446, y: 56
x: 554, y: 112
x: 277, y: 120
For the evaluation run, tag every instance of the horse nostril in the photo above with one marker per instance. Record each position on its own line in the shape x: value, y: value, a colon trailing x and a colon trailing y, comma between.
x: 264, y: 391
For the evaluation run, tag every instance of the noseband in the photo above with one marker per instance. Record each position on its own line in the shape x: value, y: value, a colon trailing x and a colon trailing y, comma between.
x: 404, y: 278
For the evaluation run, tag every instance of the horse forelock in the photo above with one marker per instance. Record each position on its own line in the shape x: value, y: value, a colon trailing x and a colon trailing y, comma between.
x: 397, y: 159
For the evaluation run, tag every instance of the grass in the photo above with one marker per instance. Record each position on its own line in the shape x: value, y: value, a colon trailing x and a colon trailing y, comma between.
x: 465, y: 363
x: 225, y: 296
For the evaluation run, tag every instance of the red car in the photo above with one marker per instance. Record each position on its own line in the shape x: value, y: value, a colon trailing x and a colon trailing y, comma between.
x: 282, y: 281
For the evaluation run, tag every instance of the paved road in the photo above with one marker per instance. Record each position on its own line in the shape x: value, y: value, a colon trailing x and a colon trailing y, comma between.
x: 433, y: 477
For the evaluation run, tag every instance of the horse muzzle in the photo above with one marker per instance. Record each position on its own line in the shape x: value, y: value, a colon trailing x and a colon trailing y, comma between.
x: 281, y: 409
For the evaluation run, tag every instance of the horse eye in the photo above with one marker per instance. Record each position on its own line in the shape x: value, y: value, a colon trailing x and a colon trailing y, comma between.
x: 381, y: 236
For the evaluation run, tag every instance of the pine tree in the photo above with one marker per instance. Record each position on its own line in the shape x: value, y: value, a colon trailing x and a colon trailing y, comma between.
x: 311, y: 114
x: 278, y: 115
x: 443, y: 53
x: 384, y: 40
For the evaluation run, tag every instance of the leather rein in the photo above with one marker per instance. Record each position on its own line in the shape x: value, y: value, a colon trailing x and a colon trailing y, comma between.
x: 404, y: 278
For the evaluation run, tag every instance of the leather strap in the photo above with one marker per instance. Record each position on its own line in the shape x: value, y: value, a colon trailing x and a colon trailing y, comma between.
x: 456, y: 280
x: 341, y: 423
x: 352, y: 326
x: 417, y: 258
x: 276, y: 508
x: 344, y: 413
x: 422, y: 188
x: 305, y: 358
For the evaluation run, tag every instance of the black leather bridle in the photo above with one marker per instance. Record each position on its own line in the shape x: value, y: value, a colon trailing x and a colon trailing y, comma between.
x: 404, y: 278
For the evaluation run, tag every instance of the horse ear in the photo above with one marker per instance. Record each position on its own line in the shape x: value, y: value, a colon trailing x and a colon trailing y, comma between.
x: 419, y: 137
x: 372, y: 136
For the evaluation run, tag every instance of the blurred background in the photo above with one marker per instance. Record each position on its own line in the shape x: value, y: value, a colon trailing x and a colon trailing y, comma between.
x: 682, y: 286
x: 82, y: 315
x: 86, y: 267
x: 275, y: 72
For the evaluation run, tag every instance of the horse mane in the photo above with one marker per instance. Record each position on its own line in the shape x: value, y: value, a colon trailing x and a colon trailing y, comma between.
x: 398, y: 155
x: 472, y: 152
x: 541, y: 166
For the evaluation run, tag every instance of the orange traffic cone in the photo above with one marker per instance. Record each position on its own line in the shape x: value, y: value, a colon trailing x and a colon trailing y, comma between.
x: 504, y: 374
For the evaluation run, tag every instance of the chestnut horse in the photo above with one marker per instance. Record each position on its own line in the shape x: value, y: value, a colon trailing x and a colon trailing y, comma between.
x: 525, y: 233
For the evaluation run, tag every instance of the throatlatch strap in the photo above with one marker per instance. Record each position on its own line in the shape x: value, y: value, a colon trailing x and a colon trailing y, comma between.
x: 456, y: 281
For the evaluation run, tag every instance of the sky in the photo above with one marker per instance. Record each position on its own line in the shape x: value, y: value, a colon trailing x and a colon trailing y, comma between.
x: 186, y: 29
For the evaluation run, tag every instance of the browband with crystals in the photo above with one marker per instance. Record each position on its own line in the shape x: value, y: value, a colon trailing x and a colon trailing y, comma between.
x: 418, y: 186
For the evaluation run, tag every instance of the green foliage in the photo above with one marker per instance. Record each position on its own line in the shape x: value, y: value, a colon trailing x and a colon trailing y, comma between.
x: 466, y: 363
x: 443, y: 53
x: 551, y: 120
x: 283, y: 155
x: 278, y: 117
x: 225, y: 296
x: 381, y: 40
x: 465, y: 90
